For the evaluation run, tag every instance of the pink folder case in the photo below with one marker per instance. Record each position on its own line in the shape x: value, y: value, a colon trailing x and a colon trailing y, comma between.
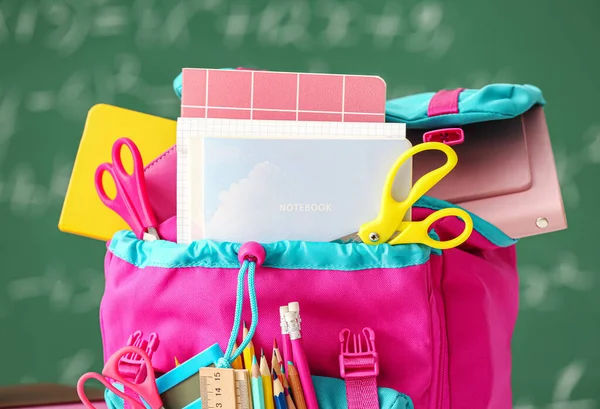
x: 505, y: 174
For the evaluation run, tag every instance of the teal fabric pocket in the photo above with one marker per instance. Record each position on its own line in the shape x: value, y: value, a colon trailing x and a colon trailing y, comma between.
x: 331, y: 394
x: 492, y: 102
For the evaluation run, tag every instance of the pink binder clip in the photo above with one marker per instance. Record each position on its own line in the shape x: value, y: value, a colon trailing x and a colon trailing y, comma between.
x: 448, y: 136
x: 359, y: 366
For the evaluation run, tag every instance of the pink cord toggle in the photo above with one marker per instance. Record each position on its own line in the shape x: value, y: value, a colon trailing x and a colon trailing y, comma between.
x: 252, y: 251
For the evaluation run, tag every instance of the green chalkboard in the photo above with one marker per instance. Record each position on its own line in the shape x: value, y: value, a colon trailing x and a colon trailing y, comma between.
x: 60, y: 57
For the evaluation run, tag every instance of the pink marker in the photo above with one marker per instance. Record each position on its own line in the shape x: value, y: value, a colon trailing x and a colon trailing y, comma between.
x: 293, y: 320
x: 285, y: 335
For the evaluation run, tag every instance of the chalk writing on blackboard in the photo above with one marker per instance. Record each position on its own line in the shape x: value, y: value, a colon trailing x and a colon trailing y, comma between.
x: 65, y: 26
x: 78, y: 293
x: 568, y: 166
x: 234, y: 25
x: 72, y: 367
x: 28, y: 379
x: 26, y: 22
x: 91, y: 282
x: 318, y: 65
x: 592, y: 143
x: 10, y: 100
x: 567, y: 380
x: 385, y: 27
x: 342, y: 20
x: 40, y: 101
x: 26, y: 197
x: 4, y: 32
x: 429, y: 34
x: 539, y: 287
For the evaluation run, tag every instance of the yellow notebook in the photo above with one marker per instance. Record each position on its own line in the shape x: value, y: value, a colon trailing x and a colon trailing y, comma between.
x: 83, y: 213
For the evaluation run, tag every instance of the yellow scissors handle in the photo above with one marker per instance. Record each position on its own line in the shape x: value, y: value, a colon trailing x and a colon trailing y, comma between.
x: 418, y: 232
x: 392, y: 212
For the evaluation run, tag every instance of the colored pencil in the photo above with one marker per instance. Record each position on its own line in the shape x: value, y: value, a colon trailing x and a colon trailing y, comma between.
x: 248, y: 352
x: 265, y: 374
x: 277, y: 355
x: 295, y: 385
x: 258, y: 396
x: 237, y: 362
x: 279, y: 395
x: 176, y: 362
x: 286, y: 387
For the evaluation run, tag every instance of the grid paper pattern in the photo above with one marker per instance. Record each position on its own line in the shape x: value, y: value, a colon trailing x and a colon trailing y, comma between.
x: 183, y: 184
x: 192, y: 131
x: 268, y: 95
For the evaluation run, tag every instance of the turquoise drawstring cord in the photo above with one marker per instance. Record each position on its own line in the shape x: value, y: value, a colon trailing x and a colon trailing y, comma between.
x: 230, y: 356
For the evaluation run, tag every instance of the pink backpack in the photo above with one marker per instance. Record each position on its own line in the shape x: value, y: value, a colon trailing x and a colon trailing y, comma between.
x: 443, y: 319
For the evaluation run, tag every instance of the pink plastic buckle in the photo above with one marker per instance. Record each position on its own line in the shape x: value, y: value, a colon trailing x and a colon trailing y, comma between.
x: 131, y: 365
x: 448, y: 136
x: 362, y: 361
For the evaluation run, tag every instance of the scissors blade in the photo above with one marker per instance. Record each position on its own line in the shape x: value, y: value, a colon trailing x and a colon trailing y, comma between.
x: 349, y: 238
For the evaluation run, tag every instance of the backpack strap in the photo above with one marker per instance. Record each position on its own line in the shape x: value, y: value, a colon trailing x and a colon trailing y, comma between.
x: 444, y: 102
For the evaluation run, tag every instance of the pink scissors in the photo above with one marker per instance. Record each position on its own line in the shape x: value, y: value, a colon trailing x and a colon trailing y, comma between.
x: 146, y: 390
x: 131, y: 201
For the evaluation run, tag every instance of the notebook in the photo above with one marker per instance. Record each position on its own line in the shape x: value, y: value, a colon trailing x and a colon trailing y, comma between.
x: 292, y: 96
x: 242, y: 180
x: 83, y: 213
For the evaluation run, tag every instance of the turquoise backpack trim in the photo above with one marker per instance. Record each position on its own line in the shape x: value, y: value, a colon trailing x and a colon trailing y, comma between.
x: 492, y: 102
x: 493, y: 234
x: 282, y: 254
x: 331, y: 394
x: 291, y: 254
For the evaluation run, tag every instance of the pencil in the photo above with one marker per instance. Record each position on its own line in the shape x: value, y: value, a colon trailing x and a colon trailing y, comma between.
x: 277, y: 355
x: 176, y: 362
x: 285, y: 334
x: 278, y: 394
x: 283, y: 378
x: 265, y: 374
x: 249, y: 351
x: 258, y: 396
x: 295, y: 385
x: 237, y: 362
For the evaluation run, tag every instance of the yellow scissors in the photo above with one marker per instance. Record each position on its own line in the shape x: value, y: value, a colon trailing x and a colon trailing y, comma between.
x: 389, y: 226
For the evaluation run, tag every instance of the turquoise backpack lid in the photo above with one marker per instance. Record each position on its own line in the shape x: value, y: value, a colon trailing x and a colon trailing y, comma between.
x: 492, y: 102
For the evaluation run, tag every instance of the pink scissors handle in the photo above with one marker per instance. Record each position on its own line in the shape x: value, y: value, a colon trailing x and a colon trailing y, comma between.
x: 131, y: 201
x: 92, y: 375
x: 147, y: 389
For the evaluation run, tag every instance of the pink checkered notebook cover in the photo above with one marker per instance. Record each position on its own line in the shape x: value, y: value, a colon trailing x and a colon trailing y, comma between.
x: 249, y: 94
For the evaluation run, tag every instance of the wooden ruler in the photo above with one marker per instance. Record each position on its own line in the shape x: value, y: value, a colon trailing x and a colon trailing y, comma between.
x: 225, y: 388
x: 218, y: 388
x: 243, y: 391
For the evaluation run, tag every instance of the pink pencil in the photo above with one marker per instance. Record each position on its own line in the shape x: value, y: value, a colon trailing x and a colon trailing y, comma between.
x: 285, y: 335
x: 293, y: 320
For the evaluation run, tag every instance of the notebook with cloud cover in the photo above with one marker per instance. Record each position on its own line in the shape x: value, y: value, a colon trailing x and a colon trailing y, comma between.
x: 278, y: 180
